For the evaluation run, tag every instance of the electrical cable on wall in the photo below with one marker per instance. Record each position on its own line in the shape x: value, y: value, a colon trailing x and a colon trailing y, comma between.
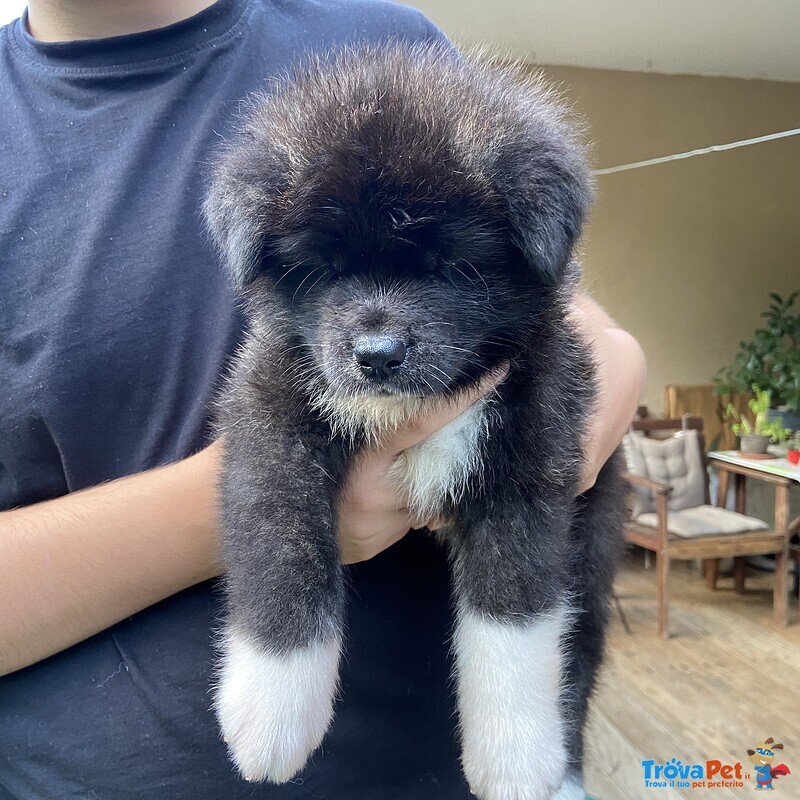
x: 714, y: 148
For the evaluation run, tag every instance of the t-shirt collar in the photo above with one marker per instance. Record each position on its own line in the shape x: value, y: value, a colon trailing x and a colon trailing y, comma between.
x: 171, y: 42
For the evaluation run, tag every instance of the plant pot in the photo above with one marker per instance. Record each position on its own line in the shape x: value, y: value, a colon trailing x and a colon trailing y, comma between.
x: 754, y: 443
x: 793, y: 456
x: 787, y: 417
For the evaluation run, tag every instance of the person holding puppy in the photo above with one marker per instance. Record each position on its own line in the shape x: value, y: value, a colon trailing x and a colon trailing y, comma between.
x: 116, y: 327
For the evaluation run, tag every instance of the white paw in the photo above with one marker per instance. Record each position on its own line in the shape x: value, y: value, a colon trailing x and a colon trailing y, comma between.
x: 570, y: 789
x: 509, y: 679
x: 275, y: 709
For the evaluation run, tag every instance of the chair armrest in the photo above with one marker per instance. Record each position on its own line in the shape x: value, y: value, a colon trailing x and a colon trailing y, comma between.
x: 659, y: 487
x: 662, y: 492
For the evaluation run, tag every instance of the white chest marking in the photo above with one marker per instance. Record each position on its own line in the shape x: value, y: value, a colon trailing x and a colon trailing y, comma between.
x: 437, y: 469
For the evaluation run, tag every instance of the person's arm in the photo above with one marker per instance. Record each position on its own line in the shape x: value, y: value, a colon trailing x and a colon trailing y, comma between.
x: 621, y: 373
x: 72, y: 566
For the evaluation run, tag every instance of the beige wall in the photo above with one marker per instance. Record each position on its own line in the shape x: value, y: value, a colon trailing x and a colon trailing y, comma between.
x: 684, y: 254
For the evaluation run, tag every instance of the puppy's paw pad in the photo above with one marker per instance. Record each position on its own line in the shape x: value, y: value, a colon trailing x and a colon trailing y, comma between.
x: 274, y: 709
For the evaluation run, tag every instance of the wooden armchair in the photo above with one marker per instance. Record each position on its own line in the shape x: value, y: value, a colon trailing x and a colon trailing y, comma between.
x: 685, y: 533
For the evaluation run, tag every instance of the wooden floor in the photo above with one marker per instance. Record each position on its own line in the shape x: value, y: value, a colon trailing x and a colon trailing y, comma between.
x: 727, y: 679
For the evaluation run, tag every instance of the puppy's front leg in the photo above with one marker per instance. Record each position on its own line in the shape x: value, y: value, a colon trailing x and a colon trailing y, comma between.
x: 283, y: 634
x: 512, y: 615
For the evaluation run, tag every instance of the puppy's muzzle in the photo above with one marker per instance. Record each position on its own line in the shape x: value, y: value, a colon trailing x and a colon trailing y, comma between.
x: 379, y: 355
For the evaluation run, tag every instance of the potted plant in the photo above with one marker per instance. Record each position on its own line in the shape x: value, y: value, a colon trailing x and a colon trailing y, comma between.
x: 755, y: 437
x: 770, y: 361
x: 793, y: 449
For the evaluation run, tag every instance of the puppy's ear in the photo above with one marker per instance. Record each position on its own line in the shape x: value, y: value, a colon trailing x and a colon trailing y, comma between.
x: 547, y: 194
x: 232, y: 212
x: 539, y: 166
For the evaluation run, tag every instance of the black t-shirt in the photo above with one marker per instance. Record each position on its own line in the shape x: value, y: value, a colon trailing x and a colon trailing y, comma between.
x: 116, y: 322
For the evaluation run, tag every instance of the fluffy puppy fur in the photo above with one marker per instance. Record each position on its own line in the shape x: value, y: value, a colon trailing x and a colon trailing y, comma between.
x: 400, y: 221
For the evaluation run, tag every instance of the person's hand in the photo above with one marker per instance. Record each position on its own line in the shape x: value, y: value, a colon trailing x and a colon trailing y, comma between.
x: 370, y: 516
x: 620, y: 376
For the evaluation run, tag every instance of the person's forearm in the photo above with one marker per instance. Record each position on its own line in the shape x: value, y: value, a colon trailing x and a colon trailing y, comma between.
x: 621, y: 371
x: 72, y: 566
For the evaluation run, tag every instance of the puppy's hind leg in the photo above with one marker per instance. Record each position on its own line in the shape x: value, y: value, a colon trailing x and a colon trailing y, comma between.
x: 282, y: 642
x: 512, y: 616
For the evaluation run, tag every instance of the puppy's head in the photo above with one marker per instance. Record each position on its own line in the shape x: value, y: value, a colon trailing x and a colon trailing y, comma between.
x: 410, y: 210
x: 764, y: 753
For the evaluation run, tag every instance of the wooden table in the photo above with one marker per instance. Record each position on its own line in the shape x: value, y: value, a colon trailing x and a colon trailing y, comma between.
x: 783, y: 475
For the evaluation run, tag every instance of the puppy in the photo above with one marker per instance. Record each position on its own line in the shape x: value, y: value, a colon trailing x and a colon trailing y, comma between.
x: 400, y: 221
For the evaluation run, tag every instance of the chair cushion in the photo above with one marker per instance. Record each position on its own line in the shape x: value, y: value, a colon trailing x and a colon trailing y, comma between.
x: 703, y: 521
x: 676, y: 461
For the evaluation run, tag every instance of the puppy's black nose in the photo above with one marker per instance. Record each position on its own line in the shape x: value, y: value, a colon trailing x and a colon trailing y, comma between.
x: 378, y: 354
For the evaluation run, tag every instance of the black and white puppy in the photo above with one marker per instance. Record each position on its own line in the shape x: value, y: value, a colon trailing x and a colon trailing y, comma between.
x: 401, y: 221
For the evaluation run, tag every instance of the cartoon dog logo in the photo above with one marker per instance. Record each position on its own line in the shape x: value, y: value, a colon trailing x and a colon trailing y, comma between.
x: 762, y: 758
